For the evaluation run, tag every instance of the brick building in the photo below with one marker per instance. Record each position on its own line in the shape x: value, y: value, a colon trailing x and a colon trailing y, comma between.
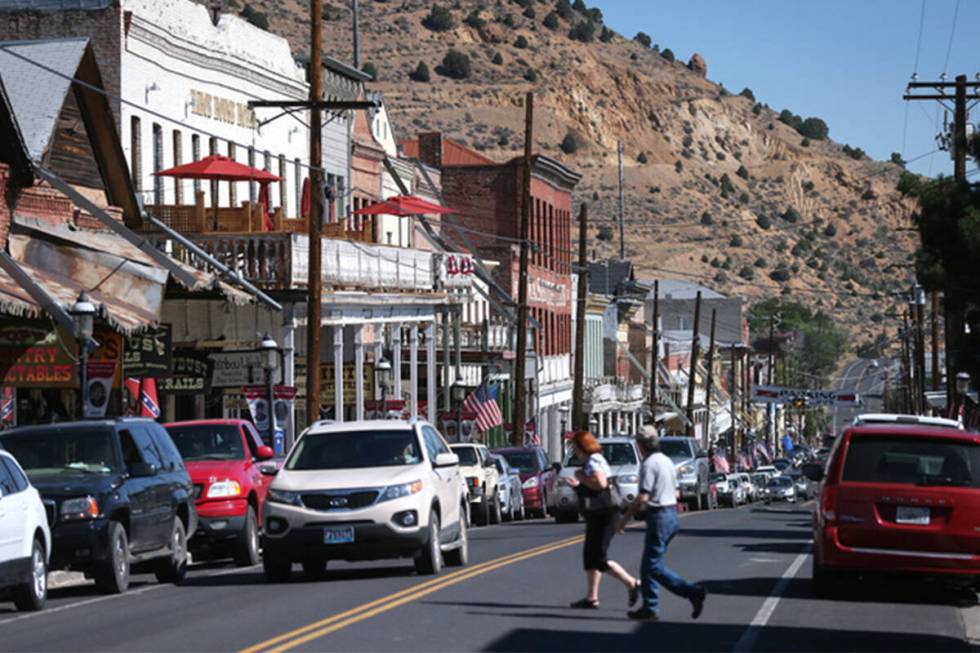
x: 487, y: 195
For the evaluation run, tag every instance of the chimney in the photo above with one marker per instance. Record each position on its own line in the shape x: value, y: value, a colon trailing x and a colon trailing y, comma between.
x: 215, y: 11
x: 430, y: 149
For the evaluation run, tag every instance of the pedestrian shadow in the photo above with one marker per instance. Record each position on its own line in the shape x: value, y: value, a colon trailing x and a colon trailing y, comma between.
x: 492, y: 604
x: 773, y: 547
x: 256, y: 577
x: 862, y: 589
x: 782, y: 511
x: 700, y: 636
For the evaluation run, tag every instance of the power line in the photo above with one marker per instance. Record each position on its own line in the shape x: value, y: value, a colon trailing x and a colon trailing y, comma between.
x: 952, y: 33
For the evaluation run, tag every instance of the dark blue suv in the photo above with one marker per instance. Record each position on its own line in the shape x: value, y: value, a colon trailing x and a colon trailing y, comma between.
x: 117, y: 496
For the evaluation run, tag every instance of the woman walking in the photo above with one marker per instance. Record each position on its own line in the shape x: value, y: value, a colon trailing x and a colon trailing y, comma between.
x: 600, y: 507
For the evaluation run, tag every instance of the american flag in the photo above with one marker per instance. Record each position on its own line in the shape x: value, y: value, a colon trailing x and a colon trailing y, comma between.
x: 483, y: 402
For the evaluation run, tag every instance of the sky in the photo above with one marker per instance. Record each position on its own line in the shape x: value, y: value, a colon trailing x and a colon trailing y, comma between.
x: 845, y: 61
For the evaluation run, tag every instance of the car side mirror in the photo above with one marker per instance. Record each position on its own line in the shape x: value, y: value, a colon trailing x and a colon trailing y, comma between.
x: 264, y: 452
x: 445, y: 460
x: 556, y: 467
x: 813, y: 471
x: 268, y: 469
x: 142, y: 470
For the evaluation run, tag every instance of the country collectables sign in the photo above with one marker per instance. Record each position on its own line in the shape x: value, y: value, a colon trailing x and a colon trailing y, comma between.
x: 34, y: 356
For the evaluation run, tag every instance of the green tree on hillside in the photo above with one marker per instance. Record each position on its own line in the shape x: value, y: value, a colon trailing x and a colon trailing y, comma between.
x: 440, y: 19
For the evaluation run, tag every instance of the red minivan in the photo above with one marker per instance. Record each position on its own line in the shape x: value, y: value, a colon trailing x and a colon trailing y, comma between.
x: 899, y: 499
x: 222, y: 457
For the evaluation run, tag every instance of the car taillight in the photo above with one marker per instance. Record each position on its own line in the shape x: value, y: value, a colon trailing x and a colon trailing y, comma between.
x: 828, y: 505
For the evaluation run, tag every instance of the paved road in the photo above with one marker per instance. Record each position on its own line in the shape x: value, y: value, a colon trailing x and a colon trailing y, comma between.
x: 512, y: 597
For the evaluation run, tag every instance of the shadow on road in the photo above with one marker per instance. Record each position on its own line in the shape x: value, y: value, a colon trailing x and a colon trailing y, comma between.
x: 774, y: 547
x: 668, y: 636
x: 755, y: 533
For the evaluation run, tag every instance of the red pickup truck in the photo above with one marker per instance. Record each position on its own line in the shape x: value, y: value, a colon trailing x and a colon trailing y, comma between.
x: 222, y: 457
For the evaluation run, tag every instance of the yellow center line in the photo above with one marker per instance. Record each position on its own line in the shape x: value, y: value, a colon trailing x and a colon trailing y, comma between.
x: 412, y: 591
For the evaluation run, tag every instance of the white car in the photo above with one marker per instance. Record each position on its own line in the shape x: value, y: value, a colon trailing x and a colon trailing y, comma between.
x: 892, y: 418
x: 624, y: 463
x: 366, y: 490
x: 751, y: 491
x: 25, y: 539
x: 509, y: 489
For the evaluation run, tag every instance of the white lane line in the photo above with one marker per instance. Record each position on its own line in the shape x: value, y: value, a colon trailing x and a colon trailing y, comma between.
x: 751, y: 634
x: 127, y: 594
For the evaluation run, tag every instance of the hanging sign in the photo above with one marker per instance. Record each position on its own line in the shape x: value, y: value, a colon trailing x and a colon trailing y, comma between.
x: 772, y: 394
x: 191, y: 370
x: 36, y: 356
x: 99, y: 388
x: 233, y: 369
x: 327, y: 387
x: 149, y: 353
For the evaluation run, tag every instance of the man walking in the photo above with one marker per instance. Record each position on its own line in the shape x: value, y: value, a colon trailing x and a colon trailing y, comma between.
x: 658, y: 493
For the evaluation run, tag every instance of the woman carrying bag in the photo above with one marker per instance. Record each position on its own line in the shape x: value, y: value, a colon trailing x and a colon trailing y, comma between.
x: 600, y: 504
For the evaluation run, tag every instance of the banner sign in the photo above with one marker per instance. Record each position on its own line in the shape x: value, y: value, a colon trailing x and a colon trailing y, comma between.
x: 774, y: 394
x: 283, y: 397
x: 233, y: 369
x: 100, y: 375
x: 327, y: 383
x: 150, y: 353
x: 467, y: 424
x: 191, y: 370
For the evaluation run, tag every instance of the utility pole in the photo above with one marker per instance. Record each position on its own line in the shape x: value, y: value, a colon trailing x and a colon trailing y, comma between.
x: 953, y: 321
x: 711, y: 364
x: 919, y: 296
x: 314, y: 283
x: 772, y: 337
x: 520, y: 395
x: 622, y: 202
x: 906, y: 364
x: 934, y: 318
x: 693, y: 367
x: 733, y: 399
x: 655, y: 351
x: 579, y: 422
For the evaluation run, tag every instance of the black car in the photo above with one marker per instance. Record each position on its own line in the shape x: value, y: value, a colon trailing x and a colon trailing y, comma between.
x: 117, y: 495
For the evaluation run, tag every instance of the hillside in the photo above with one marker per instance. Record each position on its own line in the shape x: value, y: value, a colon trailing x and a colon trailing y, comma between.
x: 717, y: 187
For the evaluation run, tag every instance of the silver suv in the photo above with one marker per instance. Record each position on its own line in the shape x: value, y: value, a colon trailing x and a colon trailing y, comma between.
x: 365, y: 491
x: 624, y: 462
x: 691, y: 462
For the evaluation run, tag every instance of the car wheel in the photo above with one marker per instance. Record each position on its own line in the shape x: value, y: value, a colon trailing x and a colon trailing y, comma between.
x: 112, y: 575
x: 173, y: 568
x: 277, y: 568
x: 495, y: 516
x: 482, y: 515
x: 429, y: 559
x: 314, y: 568
x: 247, y: 542
x: 458, y: 557
x: 31, y: 596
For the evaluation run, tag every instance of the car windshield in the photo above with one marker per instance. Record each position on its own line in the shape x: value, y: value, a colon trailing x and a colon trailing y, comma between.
x: 63, y: 451
x: 524, y: 461
x: 615, y: 453
x: 759, y: 479
x: 676, y: 449
x: 208, y: 441
x: 912, y: 461
x: 355, y: 449
x: 467, y: 456
x: 780, y: 481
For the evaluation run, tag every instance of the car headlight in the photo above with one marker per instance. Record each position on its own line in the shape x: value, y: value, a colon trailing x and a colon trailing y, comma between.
x: 80, y: 508
x: 530, y: 483
x: 686, y: 469
x: 399, y: 491
x: 628, y: 479
x: 225, y: 488
x: 284, y: 496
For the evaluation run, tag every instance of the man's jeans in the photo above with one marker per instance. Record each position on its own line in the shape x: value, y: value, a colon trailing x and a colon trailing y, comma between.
x: 661, y: 528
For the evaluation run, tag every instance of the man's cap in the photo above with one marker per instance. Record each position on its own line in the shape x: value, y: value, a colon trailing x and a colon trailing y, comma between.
x: 648, y: 436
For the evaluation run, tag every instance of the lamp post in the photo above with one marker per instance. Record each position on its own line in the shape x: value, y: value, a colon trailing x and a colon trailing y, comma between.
x: 83, y: 315
x: 962, y: 387
x: 269, y: 349
x: 383, y: 369
x: 563, y: 410
x: 459, y: 395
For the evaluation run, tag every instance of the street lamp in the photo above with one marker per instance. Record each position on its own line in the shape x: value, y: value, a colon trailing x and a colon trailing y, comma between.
x: 83, y: 315
x: 383, y: 369
x: 269, y: 350
x: 458, y: 396
x: 563, y: 410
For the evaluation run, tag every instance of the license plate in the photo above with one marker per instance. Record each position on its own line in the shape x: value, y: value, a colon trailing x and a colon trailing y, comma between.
x: 338, y: 535
x: 912, y: 515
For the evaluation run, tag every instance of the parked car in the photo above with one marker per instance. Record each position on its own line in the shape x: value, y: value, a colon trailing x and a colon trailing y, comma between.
x: 898, y: 498
x: 537, y: 478
x: 801, y: 483
x: 768, y: 470
x: 866, y: 419
x: 691, y: 462
x: 751, y: 491
x: 729, y: 491
x: 366, y: 490
x: 782, y: 464
x: 624, y: 462
x: 759, y: 480
x: 482, y: 480
x: 222, y: 457
x: 117, y: 496
x: 509, y: 489
x: 25, y: 539
x: 780, y: 488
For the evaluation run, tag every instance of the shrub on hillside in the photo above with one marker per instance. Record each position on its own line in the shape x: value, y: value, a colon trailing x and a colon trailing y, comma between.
x: 678, y: 166
x: 439, y: 19
x: 830, y: 231
x: 815, y: 128
x: 743, y: 198
x: 787, y: 117
x: 736, y: 241
x: 706, y: 219
x: 497, y: 58
x: 760, y: 262
x: 256, y: 18
x: 583, y: 31
x: 746, y: 273
x: 756, y: 108
x: 605, y: 233
x: 643, y: 39
x: 780, y: 274
x: 370, y: 69
x: 667, y: 54
x: 805, y: 142
x: 455, y: 65
x: 897, y: 159
x: 747, y: 93
x: 421, y: 73
x: 606, y: 35
x: 763, y: 221
x: 855, y: 153
x: 531, y: 75
x: 551, y: 20
x: 791, y: 215
x: 579, y: 6
x: 642, y: 158
x: 521, y: 42
x: 571, y: 143
x: 742, y: 172
x: 508, y: 20
x: 474, y: 20
x: 564, y: 9
x: 529, y: 13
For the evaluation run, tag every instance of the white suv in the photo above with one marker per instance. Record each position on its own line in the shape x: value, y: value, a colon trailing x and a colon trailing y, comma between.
x: 25, y: 540
x: 365, y: 491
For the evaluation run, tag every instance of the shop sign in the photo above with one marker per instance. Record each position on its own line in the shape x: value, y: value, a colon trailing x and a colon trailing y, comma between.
x: 150, y: 353
x: 191, y: 370
x: 327, y: 383
x: 233, y: 369
x: 222, y: 109
x: 35, y: 356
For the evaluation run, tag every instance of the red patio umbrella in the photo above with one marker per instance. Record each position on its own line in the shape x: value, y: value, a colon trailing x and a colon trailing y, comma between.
x: 218, y: 168
x: 403, y: 205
